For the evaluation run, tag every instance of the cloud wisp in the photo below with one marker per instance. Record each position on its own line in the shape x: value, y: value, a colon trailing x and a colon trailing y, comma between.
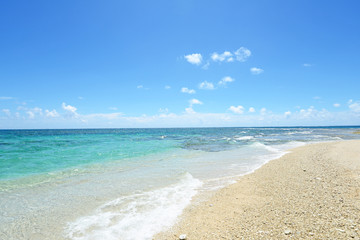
x: 187, y: 90
x: 7, y: 112
x: 226, y: 56
x: 194, y: 101
x: 6, y: 98
x: 287, y: 114
x: 206, y: 85
x: 354, y: 106
x: 52, y: 113
x: 225, y: 80
x: 256, y: 71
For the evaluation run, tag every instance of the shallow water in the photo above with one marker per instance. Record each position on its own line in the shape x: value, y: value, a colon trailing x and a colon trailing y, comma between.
x: 126, y: 183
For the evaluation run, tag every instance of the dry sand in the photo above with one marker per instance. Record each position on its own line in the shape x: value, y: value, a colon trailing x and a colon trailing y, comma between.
x: 311, y: 193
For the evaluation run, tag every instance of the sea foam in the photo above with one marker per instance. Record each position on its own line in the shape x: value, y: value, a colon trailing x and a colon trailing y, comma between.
x: 137, y: 216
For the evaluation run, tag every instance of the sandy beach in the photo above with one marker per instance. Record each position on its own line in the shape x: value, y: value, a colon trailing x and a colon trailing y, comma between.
x: 313, y: 192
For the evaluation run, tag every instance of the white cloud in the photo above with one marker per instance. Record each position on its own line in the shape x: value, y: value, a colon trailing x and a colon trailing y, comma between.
x: 167, y: 87
x: 317, y: 98
x: 52, y: 113
x: 6, y: 98
x: 226, y: 80
x: 71, y: 110
x: 7, y: 112
x: 32, y: 112
x: 194, y: 101
x: 337, y: 105
x: 354, y: 106
x: 287, y: 114
x: 113, y: 108
x: 206, y: 85
x: 242, y: 54
x: 307, y: 65
x: 215, y: 57
x: 251, y: 109
x: 80, y: 98
x: 187, y: 90
x: 305, y: 113
x: 313, y: 115
x: 239, y: 109
x: 256, y: 71
x: 226, y: 56
x: 194, y: 58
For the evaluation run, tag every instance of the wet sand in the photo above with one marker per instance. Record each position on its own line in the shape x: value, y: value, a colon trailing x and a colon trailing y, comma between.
x: 311, y: 193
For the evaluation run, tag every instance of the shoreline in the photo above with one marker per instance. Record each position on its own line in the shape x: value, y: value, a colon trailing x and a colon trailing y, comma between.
x: 311, y: 192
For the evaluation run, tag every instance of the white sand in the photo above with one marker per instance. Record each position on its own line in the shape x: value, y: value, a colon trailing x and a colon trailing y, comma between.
x: 311, y: 193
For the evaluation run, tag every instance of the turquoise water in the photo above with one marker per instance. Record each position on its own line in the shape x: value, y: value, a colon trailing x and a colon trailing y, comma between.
x: 31, y: 152
x: 106, y: 183
x: 34, y: 152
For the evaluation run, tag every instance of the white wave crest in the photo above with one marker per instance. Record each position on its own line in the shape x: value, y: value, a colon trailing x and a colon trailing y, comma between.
x: 243, y: 138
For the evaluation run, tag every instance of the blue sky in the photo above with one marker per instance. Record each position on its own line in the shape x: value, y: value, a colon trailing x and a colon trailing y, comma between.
x: 186, y: 63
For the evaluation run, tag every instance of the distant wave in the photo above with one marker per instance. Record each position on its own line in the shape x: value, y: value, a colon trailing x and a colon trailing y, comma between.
x: 299, y: 132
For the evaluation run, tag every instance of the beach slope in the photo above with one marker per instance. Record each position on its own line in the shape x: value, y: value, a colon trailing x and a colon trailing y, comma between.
x: 311, y: 193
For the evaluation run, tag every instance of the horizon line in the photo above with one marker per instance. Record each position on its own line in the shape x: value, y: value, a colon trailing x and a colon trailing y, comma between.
x: 300, y: 126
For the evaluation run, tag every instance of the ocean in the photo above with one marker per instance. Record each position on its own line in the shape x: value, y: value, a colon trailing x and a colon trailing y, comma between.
x: 127, y: 183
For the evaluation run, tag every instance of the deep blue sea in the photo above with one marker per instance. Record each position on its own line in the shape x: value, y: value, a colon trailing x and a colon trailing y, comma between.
x: 127, y: 183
